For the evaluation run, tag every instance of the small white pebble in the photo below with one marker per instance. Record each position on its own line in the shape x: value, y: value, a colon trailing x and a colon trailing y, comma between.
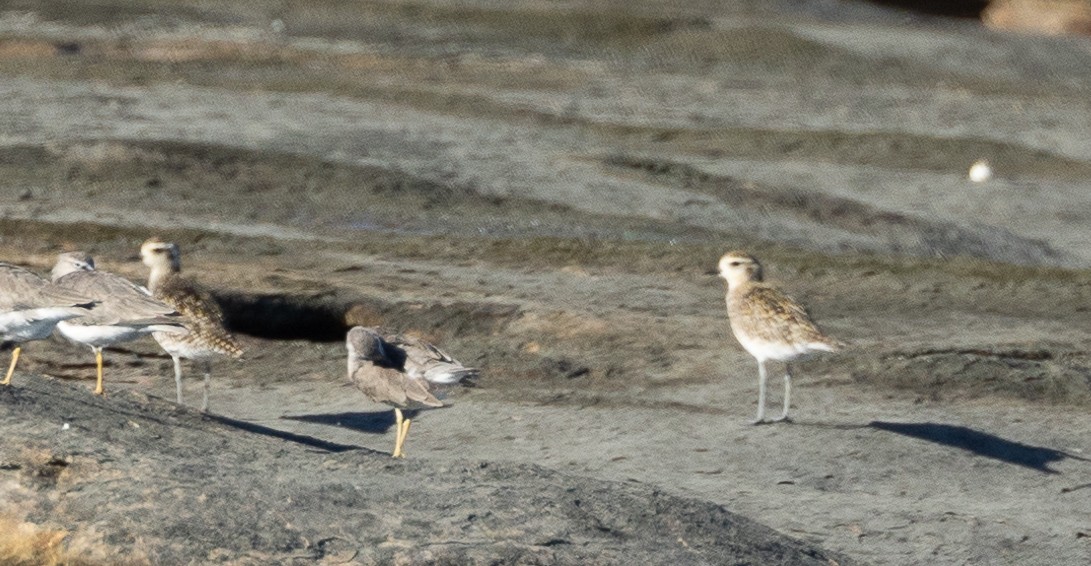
x: 980, y: 171
x: 65, y: 426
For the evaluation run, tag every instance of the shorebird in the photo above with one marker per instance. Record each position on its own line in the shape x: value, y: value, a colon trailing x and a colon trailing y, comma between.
x: 769, y: 324
x: 30, y: 307
x: 126, y: 312
x: 207, y: 336
x: 402, y: 372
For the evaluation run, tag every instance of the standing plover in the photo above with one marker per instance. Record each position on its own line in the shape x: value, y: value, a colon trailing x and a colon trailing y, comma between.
x: 402, y: 372
x: 30, y: 307
x: 768, y: 323
x: 126, y: 312
x: 207, y: 336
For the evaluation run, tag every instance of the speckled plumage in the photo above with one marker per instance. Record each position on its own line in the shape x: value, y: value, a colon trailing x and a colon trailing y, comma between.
x: 207, y: 338
x: 402, y: 372
x: 769, y: 324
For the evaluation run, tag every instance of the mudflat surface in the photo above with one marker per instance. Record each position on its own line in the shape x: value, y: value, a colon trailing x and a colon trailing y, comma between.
x: 543, y: 189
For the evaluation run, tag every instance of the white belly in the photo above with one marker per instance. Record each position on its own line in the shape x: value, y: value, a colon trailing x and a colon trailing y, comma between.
x: 769, y: 350
x: 99, y: 336
x: 31, y: 324
x: 183, y: 347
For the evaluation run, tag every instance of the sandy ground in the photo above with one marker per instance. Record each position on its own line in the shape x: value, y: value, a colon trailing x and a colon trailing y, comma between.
x: 547, y: 204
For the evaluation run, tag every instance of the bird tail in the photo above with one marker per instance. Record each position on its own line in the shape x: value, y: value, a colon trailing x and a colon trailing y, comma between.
x: 228, y: 346
x: 169, y: 328
x: 450, y: 373
x: 827, y: 344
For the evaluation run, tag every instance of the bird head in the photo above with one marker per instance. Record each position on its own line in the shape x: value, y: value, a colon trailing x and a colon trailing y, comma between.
x: 69, y: 262
x: 159, y: 254
x: 739, y: 267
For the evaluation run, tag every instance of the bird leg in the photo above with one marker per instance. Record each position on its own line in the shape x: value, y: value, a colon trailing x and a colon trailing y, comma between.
x: 208, y: 379
x: 405, y: 433
x: 761, y: 393
x: 98, y: 364
x: 178, y: 377
x: 787, y: 395
x: 397, y: 433
x: 11, y: 370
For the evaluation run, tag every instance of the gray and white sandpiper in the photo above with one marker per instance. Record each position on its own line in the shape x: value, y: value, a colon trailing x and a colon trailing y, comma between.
x: 126, y: 310
x: 207, y: 338
x: 769, y: 324
x: 402, y: 372
x: 31, y: 306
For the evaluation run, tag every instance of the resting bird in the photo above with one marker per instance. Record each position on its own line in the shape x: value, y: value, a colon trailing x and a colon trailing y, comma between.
x: 402, y: 372
x: 126, y: 311
x: 769, y: 324
x: 207, y: 338
x: 30, y: 307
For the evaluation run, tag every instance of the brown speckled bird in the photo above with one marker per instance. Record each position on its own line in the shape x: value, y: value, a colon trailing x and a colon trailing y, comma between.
x: 402, y: 372
x: 769, y: 324
x: 207, y: 338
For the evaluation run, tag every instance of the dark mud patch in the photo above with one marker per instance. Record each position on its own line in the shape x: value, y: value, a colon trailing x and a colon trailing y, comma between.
x: 970, y: 9
x: 326, y: 317
x: 326, y: 198
x: 1054, y: 374
x: 175, y: 486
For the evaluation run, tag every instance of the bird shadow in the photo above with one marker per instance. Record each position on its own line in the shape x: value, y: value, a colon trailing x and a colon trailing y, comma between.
x: 373, y: 422
x: 303, y: 439
x: 980, y: 443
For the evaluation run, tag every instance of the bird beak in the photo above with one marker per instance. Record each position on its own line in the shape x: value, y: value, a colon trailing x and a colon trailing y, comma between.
x: 712, y: 272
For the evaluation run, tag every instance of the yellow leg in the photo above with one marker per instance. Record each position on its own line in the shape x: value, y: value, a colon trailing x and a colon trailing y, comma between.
x: 98, y: 362
x: 397, y: 433
x: 11, y: 370
x: 405, y: 433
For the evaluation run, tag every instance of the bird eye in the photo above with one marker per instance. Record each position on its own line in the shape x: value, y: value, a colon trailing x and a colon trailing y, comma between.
x: 734, y: 264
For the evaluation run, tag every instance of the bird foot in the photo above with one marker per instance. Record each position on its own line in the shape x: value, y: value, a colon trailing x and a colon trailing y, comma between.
x: 782, y: 419
x: 762, y: 421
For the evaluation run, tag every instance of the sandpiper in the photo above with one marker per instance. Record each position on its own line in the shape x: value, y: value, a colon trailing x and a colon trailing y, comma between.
x: 769, y: 324
x: 30, y: 307
x: 402, y: 372
x: 126, y: 311
x: 207, y: 336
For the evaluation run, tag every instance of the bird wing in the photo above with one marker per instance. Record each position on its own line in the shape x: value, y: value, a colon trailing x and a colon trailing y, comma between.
x: 24, y: 289
x: 203, y: 315
x: 121, y: 299
x: 772, y: 315
x: 392, y: 387
x: 423, y: 359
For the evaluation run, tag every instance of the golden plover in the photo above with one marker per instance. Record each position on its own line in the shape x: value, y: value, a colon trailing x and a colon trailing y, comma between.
x: 30, y: 307
x: 769, y: 324
x: 402, y: 372
x: 126, y: 310
x: 207, y: 336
